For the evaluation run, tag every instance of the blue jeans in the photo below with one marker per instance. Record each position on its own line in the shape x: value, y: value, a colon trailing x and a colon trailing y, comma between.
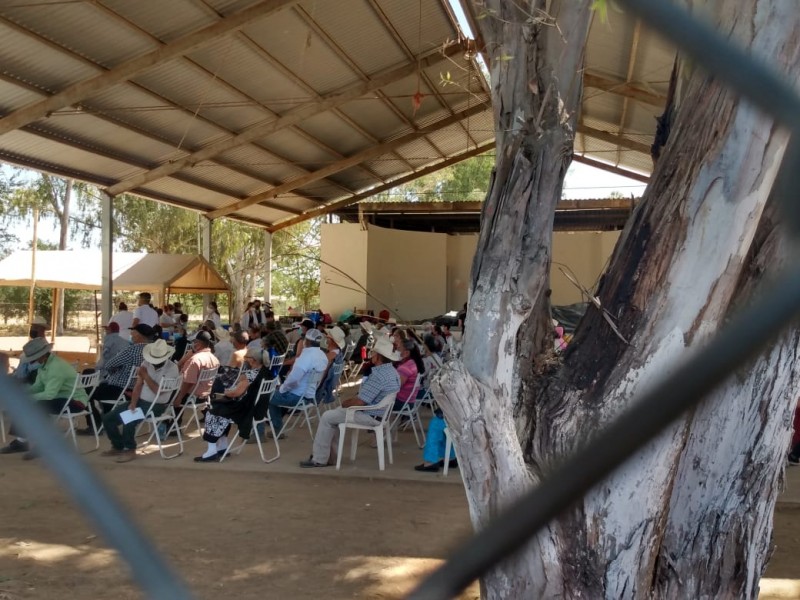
x: 276, y: 403
x: 435, y: 442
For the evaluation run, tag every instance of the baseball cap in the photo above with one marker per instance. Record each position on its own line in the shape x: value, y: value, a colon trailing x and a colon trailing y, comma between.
x: 143, y: 329
x: 113, y: 327
x: 314, y: 335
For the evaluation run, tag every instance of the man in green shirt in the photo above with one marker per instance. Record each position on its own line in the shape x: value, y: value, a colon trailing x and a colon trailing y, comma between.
x: 52, y: 389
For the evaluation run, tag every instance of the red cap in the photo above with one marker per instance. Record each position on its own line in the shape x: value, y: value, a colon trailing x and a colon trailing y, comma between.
x: 113, y: 327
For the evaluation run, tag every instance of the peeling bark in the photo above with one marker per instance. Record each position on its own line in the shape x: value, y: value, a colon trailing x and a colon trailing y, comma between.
x: 706, y: 487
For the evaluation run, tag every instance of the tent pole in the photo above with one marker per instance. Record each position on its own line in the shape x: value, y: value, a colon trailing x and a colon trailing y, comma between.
x: 106, y: 246
x: 33, y: 263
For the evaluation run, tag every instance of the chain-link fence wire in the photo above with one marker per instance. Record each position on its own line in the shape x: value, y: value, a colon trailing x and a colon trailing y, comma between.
x: 747, y: 333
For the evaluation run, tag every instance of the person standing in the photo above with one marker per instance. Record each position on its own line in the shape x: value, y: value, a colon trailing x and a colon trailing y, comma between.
x: 213, y: 315
x: 123, y: 318
x: 144, y: 313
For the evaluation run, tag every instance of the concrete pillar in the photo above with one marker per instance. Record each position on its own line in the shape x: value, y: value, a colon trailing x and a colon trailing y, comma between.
x: 205, y: 249
x: 107, y: 245
x: 267, y: 266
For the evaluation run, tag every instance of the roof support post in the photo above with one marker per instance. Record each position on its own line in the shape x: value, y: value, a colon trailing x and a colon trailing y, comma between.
x: 267, y: 266
x: 107, y: 246
x: 206, y: 231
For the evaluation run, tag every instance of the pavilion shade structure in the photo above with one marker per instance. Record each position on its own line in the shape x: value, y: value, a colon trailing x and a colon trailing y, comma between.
x: 81, y: 270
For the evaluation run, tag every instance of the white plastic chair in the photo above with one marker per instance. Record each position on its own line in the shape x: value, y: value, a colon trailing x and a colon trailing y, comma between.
x: 410, y: 410
x: 112, y: 404
x: 265, y: 391
x: 305, y: 406
x: 381, y: 429
x: 193, y: 402
x: 276, y: 362
x: 338, y: 369
x: 89, y: 383
x: 169, y: 386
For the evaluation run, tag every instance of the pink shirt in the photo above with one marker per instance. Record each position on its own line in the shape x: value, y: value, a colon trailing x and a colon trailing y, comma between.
x: 407, y: 369
x: 199, y: 361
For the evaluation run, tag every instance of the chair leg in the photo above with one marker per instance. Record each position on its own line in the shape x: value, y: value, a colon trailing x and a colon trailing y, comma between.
x: 72, y: 430
x: 389, y: 447
x: 354, y: 444
x: 448, y: 444
x: 277, y: 446
x: 342, y: 429
x: 94, y: 431
x: 308, y: 422
x: 379, y: 435
x: 229, y: 449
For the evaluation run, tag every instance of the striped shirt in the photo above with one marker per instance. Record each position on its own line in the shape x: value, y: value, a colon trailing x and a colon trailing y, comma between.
x: 382, y: 380
x: 118, y: 368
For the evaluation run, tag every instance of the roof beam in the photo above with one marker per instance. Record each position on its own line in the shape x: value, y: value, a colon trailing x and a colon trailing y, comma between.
x: 614, y: 138
x: 347, y: 163
x: 336, y: 205
x: 122, y: 72
x: 623, y: 88
x: 611, y: 168
x: 411, y: 208
x: 288, y: 119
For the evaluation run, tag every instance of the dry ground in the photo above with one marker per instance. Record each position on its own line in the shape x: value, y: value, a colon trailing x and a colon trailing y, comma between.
x: 246, y: 534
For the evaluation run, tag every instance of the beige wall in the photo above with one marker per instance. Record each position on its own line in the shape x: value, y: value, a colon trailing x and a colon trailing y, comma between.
x: 460, y: 250
x: 407, y: 270
x: 583, y: 254
x: 343, y: 246
x: 420, y: 275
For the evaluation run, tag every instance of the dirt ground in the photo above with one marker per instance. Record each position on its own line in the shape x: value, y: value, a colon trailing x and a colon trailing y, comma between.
x: 250, y: 535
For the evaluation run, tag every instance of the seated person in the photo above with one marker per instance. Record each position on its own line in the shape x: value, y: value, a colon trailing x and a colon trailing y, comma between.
x: 302, y: 381
x: 225, y: 411
x: 55, y: 380
x: 336, y: 343
x: 113, y: 344
x: 26, y: 371
x: 223, y: 349
x: 199, y: 358
x: 410, y: 366
x: 156, y: 365
x: 382, y: 381
x: 435, y: 444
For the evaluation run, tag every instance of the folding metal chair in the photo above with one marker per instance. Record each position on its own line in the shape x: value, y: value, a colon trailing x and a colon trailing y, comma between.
x: 170, y: 386
x: 112, y: 404
x: 193, y: 402
x: 265, y: 391
x: 305, y: 406
x: 89, y: 383
x: 410, y: 411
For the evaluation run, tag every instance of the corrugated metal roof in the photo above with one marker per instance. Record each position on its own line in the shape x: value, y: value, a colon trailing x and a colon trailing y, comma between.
x: 260, y: 109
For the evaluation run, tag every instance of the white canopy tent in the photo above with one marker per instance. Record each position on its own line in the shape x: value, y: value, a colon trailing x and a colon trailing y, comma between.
x: 82, y: 270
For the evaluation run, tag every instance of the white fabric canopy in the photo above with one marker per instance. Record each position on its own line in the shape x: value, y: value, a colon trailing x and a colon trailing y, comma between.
x: 81, y: 270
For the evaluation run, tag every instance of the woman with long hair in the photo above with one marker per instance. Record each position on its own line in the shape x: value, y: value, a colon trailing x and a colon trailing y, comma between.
x: 213, y: 315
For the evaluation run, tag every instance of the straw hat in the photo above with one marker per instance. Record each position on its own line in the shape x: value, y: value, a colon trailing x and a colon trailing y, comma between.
x: 383, y: 346
x: 337, y: 335
x: 35, y: 349
x: 157, y: 352
x: 367, y: 326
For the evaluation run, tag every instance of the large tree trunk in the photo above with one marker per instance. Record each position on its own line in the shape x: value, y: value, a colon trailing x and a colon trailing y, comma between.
x: 706, y: 487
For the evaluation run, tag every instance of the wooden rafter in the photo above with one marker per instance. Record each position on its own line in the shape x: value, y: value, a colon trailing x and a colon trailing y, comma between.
x: 623, y: 88
x: 614, y: 138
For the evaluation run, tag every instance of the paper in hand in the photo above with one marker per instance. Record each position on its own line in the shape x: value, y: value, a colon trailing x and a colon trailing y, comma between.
x: 129, y: 416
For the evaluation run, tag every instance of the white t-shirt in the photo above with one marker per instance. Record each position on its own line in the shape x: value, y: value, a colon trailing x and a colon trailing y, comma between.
x: 167, y: 323
x: 125, y: 319
x: 146, y: 315
x: 168, y: 369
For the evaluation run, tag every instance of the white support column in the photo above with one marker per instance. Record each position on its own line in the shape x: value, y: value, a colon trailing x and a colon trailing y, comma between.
x: 267, y: 266
x: 107, y: 245
x: 205, y: 248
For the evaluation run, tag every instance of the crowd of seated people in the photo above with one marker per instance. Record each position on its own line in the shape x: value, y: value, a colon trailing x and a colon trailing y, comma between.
x: 394, y: 358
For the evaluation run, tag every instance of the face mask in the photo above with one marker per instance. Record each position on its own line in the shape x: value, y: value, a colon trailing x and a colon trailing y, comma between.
x: 33, y: 333
x: 178, y: 336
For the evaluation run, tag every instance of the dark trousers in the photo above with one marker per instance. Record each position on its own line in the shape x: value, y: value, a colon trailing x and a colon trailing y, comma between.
x: 51, y: 407
x: 104, y: 391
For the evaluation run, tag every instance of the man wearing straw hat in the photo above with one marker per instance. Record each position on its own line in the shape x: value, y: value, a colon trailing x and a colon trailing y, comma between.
x: 55, y: 380
x: 156, y: 366
x: 383, y: 380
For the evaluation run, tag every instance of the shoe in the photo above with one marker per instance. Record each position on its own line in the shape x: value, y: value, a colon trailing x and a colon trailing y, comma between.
x: 30, y: 455
x: 427, y: 468
x: 212, y: 458
x: 126, y: 455
x: 84, y: 431
x: 453, y: 464
x: 272, y: 437
x: 112, y: 452
x: 310, y: 464
x: 14, y: 447
x: 221, y: 453
x: 252, y: 439
x: 791, y: 460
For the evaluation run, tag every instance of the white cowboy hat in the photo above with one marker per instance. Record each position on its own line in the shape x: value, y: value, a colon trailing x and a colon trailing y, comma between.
x: 338, y: 336
x: 383, y: 346
x: 367, y: 326
x: 157, y: 352
x: 35, y: 349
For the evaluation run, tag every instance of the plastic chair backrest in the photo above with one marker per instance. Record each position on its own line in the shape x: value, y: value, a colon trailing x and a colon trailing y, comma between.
x: 205, y: 376
x: 266, y: 388
x: 170, y: 385
x: 386, y: 404
x: 277, y: 360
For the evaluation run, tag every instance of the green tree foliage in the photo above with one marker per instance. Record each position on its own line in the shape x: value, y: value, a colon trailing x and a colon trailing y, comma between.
x: 295, y: 271
x: 145, y: 226
x: 464, y: 181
